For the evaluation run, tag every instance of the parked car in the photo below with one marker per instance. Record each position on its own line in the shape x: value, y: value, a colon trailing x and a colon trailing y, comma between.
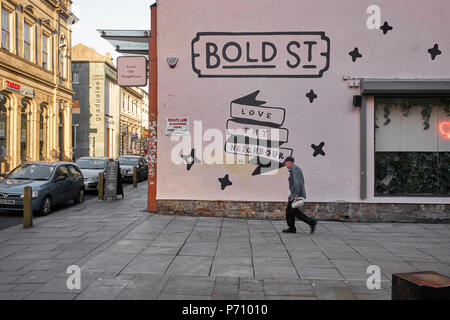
x: 127, y: 163
x: 52, y: 184
x: 91, y: 168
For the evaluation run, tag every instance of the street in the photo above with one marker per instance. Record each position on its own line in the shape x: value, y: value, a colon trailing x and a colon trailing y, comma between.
x: 13, y: 218
x: 126, y: 253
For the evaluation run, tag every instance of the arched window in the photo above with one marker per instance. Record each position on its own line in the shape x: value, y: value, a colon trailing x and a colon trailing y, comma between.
x: 61, y: 131
x: 24, y: 129
x: 43, y: 121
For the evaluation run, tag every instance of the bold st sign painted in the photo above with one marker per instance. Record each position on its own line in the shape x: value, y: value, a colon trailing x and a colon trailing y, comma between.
x: 261, y: 55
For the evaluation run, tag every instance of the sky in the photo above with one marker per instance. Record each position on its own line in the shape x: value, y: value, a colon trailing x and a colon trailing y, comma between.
x: 108, y: 14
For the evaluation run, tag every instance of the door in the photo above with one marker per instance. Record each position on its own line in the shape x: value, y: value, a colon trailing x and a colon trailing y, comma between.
x: 76, y: 181
x: 62, y: 187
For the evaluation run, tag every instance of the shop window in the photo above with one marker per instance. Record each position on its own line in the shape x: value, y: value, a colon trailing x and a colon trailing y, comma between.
x: 43, y: 121
x: 24, y: 130
x: 6, y: 33
x: 3, y: 132
x: 412, y: 147
x: 27, y: 41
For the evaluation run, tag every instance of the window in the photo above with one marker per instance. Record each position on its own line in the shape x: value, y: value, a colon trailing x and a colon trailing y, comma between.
x: 412, y: 147
x: 6, y: 36
x: 75, y: 171
x: 27, y: 41
x: 45, y: 63
x: 62, y: 172
x: 74, y: 136
x: 76, y: 77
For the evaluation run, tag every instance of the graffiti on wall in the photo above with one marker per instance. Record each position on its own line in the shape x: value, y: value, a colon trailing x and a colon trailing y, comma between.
x: 256, y: 130
x: 260, y: 54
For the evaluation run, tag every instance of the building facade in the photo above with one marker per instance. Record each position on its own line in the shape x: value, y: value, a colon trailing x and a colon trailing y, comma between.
x: 35, y: 82
x: 132, y: 109
x: 96, y: 120
x: 361, y: 100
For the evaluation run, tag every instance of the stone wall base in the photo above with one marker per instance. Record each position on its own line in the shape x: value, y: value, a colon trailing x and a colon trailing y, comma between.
x: 351, y: 212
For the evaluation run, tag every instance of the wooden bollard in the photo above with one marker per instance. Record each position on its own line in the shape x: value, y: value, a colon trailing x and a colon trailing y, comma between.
x: 101, y: 190
x: 135, y: 177
x: 28, y: 208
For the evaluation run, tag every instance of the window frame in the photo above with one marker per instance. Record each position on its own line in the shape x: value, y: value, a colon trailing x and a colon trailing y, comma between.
x: 75, y: 78
x: 8, y: 31
x: 370, y: 88
x: 30, y: 39
x: 411, y: 196
x: 45, y: 53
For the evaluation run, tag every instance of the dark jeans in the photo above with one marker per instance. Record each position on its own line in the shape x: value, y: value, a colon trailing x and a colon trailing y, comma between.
x: 292, y: 213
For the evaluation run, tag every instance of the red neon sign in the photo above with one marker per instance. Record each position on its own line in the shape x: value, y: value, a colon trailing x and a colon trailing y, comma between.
x: 444, y: 129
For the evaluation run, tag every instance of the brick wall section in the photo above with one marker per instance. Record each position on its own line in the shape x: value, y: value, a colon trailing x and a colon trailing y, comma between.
x: 354, y: 212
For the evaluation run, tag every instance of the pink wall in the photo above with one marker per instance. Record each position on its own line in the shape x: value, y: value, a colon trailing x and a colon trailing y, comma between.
x: 331, y: 118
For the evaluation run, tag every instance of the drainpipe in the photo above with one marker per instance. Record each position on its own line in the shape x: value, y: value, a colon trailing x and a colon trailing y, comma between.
x: 153, y: 114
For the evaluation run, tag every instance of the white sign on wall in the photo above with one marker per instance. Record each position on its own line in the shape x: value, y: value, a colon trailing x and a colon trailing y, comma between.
x: 177, y: 127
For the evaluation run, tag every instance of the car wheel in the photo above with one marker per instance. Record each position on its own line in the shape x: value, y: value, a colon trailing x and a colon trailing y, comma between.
x: 46, y: 206
x: 80, y: 198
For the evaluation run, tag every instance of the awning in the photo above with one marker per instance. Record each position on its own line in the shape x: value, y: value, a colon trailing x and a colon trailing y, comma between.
x: 129, y: 42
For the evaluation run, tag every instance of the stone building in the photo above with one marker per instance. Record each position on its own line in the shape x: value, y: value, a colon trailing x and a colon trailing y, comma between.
x: 35, y: 82
x: 131, y: 123
x: 96, y: 121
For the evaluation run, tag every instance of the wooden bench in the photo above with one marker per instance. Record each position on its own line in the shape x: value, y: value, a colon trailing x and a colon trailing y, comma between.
x: 426, y: 285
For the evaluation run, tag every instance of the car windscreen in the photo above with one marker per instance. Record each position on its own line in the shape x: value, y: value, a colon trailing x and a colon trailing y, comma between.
x: 92, y: 164
x: 128, y: 161
x: 32, y: 172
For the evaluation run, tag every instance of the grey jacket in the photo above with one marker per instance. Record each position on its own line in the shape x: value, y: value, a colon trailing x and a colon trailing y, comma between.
x: 296, y: 183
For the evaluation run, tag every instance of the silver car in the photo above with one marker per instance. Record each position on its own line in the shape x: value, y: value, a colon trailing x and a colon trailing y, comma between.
x: 91, y: 168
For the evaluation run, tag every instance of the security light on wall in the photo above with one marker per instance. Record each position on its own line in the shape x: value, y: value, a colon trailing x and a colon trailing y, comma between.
x: 172, y: 61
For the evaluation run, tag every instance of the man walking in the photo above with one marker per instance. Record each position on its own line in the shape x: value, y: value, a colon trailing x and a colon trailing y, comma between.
x: 297, y: 188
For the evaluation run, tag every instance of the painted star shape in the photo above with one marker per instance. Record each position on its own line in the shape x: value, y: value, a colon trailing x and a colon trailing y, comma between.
x: 386, y: 27
x: 434, y: 52
x: 355, y: 54
x: 318, y: 150
x: 191, y: 160
x: 311, y: 96
x: 225, y: 182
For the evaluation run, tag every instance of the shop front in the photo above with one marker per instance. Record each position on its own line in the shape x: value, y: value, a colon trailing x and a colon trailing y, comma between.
x: 364, y: 108
x: 34, y: 126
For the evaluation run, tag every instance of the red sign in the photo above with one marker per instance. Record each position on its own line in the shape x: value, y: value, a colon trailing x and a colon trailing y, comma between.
x: 21, y: 89
x: 444, y: 129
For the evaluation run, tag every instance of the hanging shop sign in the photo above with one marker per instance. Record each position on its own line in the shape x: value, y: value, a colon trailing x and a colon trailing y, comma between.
x: 18, y: 88
x: 132, y: 71
x: 177, y: 127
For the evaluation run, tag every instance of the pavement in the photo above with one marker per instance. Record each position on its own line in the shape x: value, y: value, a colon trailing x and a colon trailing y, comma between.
x: 126, y: 253
x: 14, y: 218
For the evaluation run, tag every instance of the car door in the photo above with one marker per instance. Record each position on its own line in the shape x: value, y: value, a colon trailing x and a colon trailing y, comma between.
x: 76, y: 181
x: 62, y: 187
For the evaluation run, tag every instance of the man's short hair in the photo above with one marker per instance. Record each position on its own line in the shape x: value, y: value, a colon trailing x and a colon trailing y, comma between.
x: 289, y: 159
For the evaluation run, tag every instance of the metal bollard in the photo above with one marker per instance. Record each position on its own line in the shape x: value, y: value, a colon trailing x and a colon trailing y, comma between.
x: 28, y: 208
x: 135, y: 177
x: 101, y: 191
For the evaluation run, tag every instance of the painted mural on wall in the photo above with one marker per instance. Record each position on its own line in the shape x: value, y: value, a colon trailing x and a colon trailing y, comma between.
x: 256, y: 130
x: 260, y: 54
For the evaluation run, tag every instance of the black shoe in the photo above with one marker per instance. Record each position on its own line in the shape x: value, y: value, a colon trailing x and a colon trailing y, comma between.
x: 313, y: 228
x: 290, y: 230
